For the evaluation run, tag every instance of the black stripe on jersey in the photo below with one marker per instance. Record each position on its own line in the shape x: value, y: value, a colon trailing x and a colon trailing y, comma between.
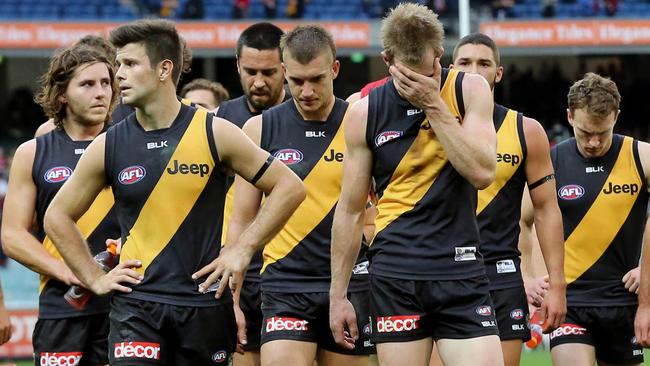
x: 499, y: 115
x: 211, y: 142
x: 459, y: 93
x: 522, y: 135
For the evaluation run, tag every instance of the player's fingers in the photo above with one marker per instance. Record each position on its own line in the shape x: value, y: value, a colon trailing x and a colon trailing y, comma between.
x: 223, y: 284
x: 203, y: 271
x: 131, y: 263
x: 211, y: 279
x: 123, y: 278
x: 627, y: 276
x: 353, y: 328
x: 117, y: 287
x: 634, y: 287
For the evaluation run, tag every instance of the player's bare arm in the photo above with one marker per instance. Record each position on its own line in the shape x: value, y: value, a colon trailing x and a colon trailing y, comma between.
x: 70, y: 203
x: 19, y: 207
x: 284, y: 190
x: 470, y: 146
x: 349, y: 219
x: 548, y: 221
x: 532, y: 262
x: 642, y: 321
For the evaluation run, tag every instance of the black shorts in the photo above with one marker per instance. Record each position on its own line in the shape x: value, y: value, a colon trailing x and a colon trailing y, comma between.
x: 144, y: 332
x: 511, y: 308
x: 250, y: 302
x: 408, y: 310
x: 71, y: 341
x: 305, y: 317
x: 609, y: 329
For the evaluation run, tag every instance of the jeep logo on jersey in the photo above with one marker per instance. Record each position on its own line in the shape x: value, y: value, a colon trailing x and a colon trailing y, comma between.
x: 517, y: 314
x: 132, y: 174
x: 144, y: 350
x: 57, y: 174
x: 289, y: 156
x: 182, y: 168
x: 220, y: 357
x: 484, y: 310
x: 401, y: 323
x: 282, y: 323
x: 631, y: 189
x: 60, y: 358
x: 511, y: 159
x: 571, y: 192
x: 384, y: 137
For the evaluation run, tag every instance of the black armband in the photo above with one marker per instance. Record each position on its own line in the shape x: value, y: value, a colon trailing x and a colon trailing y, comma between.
x: 262, y: 170
x: 541, y: 181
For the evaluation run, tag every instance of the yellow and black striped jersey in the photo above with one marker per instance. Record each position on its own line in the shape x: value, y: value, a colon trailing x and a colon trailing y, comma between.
x: 426, y: 225
x: 603, y: 202
x: 55, y: 159
x: 169, y: 193
x: 298, y: 258
x: 499, y: 205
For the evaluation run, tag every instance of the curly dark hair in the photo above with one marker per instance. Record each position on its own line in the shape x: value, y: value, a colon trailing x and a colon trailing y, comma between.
x: 62, y: 67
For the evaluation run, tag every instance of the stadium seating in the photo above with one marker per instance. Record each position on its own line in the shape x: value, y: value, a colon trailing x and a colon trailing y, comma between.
x: 111, y: 10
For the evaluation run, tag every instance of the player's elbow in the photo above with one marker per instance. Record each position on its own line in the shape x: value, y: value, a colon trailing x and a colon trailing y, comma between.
x: 482, y: 178
x: 293, y: 191
x: 52, y: 219
x: 10, y: 241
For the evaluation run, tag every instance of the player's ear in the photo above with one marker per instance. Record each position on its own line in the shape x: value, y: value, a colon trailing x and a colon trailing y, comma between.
x: 388, y: 58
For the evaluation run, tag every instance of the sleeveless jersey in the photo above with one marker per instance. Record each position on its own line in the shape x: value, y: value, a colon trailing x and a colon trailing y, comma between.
x: 298, y: 258
x: 169, y: 192
x: 499, y: 205
x: 372, y: 85
x: 603, y: 202
x: 237, y: 111
x: 55, y: 159
x: 426, y: 225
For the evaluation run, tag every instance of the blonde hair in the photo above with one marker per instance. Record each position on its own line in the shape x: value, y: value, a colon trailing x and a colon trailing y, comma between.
x: 599, y: 95
x: 408, y: 29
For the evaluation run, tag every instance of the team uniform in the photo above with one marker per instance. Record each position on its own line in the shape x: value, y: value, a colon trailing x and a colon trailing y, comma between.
x: 498, y: 213
x: 296, y: 271
x: 63, y: 334
x: 427, y: 277
x: 238, y: 112
x: 164, y: 182
x: 603, y: 202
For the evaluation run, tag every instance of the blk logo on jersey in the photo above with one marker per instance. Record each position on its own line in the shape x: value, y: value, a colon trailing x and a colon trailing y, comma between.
x: 132, y: 174
x: 278, y: 323
x: 397, y: 324
x: 512, y: 159
x: 571, y: 192
x: 60, y: 358
x: 386, y: 136
x: 333, y: 156
x: 594, y: 169
x: 182, y: 168
x: 484, y: 310
x: 57, y: 174
x: 630, y: 189
x: 220, y: 357
x: 142, y: 350
x: 289, y: 156
x: 315, y: 134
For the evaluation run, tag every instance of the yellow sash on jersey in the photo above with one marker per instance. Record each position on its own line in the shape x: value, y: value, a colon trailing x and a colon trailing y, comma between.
x: 165, y: 210
x: 86, y: 223
x: 323, y: 186
x: 605, y: 217
x: 508, y: 142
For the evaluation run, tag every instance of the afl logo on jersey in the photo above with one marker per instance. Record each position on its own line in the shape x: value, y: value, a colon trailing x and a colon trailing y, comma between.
x: 132, y: 174
x: 571, y: 192
x: 289, y: 156
x: 57, y: 174
x: 484, y: 310
x: 386, y: 136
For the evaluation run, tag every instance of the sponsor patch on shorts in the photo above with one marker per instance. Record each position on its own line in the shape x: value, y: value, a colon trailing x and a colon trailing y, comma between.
x: 506, y: 266
x: 60, y: 358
